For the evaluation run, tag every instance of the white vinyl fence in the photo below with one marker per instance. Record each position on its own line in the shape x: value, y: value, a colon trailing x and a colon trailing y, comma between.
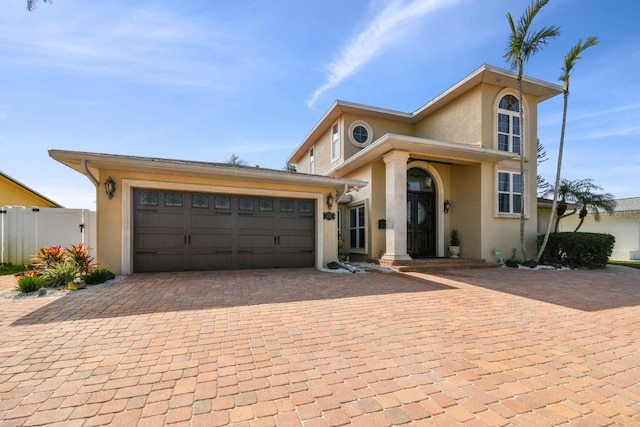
x: 23, y: 231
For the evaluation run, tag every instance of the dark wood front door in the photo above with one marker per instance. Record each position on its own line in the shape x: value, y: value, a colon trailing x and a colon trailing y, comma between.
x: 421, y: 224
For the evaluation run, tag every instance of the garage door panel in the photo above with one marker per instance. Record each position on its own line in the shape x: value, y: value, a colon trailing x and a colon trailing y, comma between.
x: 210, y: 231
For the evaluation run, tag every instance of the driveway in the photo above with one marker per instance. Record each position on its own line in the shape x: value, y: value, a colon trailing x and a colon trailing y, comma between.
x: 302, y: 347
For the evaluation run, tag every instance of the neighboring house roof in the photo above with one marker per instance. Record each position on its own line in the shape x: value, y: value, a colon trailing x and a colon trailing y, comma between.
x: 38, y: 198
x: 628, y: 204
x: 484, y: 74
x: 83, y: 162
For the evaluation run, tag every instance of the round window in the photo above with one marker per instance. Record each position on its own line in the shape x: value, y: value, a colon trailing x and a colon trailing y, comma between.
x: 360, y: 133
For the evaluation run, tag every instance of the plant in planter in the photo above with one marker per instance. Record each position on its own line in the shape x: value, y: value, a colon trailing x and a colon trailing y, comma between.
x: 454, y: 247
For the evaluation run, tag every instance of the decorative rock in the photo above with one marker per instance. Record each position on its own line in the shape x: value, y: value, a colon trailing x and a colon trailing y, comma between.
x: 42, y: 292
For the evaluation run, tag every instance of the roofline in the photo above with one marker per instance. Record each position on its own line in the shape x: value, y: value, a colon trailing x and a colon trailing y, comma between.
x: 75, y: 160
x: 15, y: 181
x: 484, y: 73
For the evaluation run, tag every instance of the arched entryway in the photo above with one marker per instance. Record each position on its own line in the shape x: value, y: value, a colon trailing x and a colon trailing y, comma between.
x: 421, y: 214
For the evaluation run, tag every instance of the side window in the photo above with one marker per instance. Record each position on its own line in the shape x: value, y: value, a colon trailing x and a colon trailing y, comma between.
x: 509, y: 193
x: 335, y: 142
x: 509, y: 124
x: 357, y: 228
x: 312, y: 162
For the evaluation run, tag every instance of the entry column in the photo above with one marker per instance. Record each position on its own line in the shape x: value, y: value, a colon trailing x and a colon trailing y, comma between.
x: 396, y: 206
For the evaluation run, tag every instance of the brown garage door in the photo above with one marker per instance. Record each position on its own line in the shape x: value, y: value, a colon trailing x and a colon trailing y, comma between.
x: 176, y: 231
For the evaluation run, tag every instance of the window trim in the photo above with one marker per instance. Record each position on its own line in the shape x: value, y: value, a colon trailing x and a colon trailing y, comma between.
x: 369, y: 133
x: 335, y: 142
x: 511, y: 193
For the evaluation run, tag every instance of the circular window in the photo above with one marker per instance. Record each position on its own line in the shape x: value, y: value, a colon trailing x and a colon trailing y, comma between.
x: 360, y: 133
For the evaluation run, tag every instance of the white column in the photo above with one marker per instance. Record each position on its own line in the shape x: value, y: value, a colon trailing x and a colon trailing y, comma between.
x: 396, y: 206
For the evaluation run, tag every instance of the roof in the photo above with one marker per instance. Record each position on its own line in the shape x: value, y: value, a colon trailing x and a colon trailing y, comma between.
x: 83, y: 162
x: 19, y: 184
x: 484, y: 74
x: 628, y: 204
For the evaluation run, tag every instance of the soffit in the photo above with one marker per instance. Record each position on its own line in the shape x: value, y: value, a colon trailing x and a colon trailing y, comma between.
x: 74, y: 160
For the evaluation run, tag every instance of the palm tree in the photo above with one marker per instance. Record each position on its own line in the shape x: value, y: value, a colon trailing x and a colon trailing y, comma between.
x: 569, y: 62
x: 581, y: 193
x: 31, y: 4
x: 521, y: 47
x: 236, y: 161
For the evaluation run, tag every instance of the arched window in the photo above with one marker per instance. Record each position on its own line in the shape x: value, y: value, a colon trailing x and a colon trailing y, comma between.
x: 509, y: 124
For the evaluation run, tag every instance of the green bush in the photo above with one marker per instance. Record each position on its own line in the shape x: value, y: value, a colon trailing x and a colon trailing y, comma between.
x: 577, y: 250
x: 97, y: 276
x: 30, y: 283
x: 60, y: 274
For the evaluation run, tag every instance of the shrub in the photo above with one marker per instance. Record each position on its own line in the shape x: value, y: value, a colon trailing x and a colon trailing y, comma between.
x: 578, y: 250
x: 30, y: 282
x: 97, y: 276
x: 48, y: 257
x: 81, y: 256
x: 61, y: 273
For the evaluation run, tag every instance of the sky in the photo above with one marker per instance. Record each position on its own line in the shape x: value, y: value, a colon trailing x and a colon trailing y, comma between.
x: 205, y: 79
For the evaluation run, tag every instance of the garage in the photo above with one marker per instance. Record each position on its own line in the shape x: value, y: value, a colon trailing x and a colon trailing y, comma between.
x: 181, y: 231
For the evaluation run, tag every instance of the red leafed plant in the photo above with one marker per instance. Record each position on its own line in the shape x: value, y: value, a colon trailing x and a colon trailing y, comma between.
x: 81, y: 256
x: 50, y: 256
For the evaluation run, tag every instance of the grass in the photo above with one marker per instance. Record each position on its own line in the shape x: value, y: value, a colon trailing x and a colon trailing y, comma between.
x: 6, y: 269
x: 634, y: 264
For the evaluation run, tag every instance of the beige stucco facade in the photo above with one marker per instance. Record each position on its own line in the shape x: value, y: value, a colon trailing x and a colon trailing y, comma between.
x: 115, y: 215
x: 454, y: 139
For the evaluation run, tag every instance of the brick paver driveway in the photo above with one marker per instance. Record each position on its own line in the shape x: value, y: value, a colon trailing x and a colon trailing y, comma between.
x: 303, y: 347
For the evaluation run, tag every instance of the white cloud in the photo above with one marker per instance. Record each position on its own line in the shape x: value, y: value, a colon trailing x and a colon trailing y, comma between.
x: 389, y: 27
x: 614, y: 132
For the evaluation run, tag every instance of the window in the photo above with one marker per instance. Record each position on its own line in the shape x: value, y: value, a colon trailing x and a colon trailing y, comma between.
x: 509, y: 193
x: 357, y: 228
x: 335, y: 142
x: 360, y: 133
x: 509, y: 124
x: 312, y: 162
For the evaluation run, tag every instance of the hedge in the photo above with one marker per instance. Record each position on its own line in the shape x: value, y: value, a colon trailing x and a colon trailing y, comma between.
x: 577, y: 250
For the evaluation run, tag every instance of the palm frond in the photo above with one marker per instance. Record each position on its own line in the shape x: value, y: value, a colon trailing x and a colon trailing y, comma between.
x: 573, y: 55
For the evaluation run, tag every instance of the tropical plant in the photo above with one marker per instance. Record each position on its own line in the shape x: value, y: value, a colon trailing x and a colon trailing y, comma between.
x: 569, y: 62
x: 60, y: 274
x: 47, y: 257
x: 81, y: 256
x: 582, y: 193
x: 236, y: 161
x: 523, y: 44
x: 29, y: 282
x: 455, y: 238
x: 542, y: 157
x: 97, y: 276
x: 31, y: 4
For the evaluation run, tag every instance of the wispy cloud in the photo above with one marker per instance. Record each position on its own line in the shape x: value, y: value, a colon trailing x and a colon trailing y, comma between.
x: 389, y: 27
x: 614, y: 132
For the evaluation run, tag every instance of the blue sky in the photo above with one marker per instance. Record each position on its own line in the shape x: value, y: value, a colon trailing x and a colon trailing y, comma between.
x: 201, y: 80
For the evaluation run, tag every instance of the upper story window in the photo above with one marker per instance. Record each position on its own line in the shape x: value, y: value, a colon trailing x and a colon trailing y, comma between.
x: 312, y: 162
x: 360, y: 133
x: 335, y: 142
x: 509, y: 193
x: 509, y: 124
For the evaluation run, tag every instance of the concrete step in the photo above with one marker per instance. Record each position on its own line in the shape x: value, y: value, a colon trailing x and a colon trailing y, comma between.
x: 436, y: 264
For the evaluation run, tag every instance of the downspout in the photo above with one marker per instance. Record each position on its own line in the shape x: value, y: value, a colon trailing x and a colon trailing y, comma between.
x: 88, y: 173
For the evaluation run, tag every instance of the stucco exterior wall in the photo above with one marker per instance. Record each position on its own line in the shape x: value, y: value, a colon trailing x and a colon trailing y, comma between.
x: 12, y: 194
x: 467, y: 205
x: 115, y: 216
x: 380, y: 127
x: 624, y: 226
x: 458, y: 121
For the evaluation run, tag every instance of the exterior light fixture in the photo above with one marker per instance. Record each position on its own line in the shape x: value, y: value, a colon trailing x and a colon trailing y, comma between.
x: 330, y: 201
x: 110, y: 187
x: 447, y: 206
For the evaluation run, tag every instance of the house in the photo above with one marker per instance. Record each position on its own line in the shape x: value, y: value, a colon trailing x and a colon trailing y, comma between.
x: 451, y: 164
x: 623, y: 224
x: 174, y: 215
x: 15, y: 193
x: 390, y: 184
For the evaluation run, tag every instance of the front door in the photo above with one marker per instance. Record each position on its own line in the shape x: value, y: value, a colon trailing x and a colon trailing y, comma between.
x: 421, y: 214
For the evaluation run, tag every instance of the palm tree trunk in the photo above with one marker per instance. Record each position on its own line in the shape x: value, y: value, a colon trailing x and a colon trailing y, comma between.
x: 523, y: 186
x: 558, y: 171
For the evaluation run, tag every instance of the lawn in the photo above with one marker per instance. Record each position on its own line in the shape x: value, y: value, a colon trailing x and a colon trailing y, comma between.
x: 6, y: 269
x: 634, y: 264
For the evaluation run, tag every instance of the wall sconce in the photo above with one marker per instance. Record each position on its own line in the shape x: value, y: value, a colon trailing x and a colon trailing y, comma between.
x: 330, y: 201
x: 447, y: 206
x: 110, y: 187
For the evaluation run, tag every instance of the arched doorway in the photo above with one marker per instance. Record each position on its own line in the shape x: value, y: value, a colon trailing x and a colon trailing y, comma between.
x: 421, y: 214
